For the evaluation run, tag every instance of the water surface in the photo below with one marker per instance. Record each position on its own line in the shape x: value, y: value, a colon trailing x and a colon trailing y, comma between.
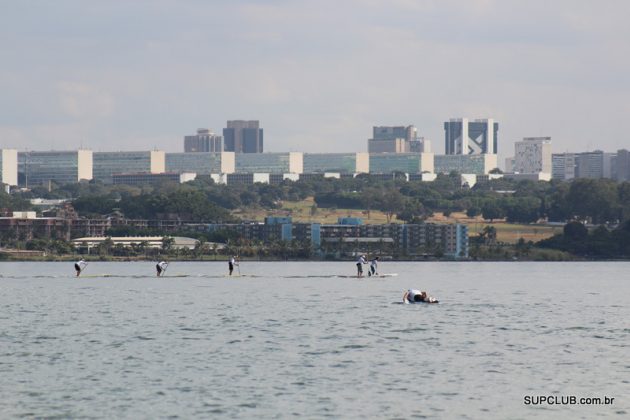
x: 294, y: 339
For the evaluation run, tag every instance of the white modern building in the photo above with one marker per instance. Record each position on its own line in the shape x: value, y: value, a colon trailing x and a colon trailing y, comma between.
x: 9, y: 167
x: 532, y: 155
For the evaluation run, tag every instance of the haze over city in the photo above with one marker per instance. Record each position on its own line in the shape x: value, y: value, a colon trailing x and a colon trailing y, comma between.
x: 317, y: 74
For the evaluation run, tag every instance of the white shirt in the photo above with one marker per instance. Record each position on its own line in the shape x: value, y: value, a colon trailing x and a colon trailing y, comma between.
x: 162, y: 264
x: 232, y: 261
x: 411, y: 293
x: 361, y: 260
x: 81, y: 264
x: 374, y: 263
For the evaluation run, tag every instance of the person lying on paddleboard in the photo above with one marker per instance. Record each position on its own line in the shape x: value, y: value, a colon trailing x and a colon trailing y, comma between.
x: 160, y: 267
x: 373, y: 266
x: 79, y: 266
x: 416, y: 296
x: 231, y: 263
x: 360, y: 261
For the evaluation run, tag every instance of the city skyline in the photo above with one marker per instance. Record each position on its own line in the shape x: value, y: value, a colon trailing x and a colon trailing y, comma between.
x: 121, y: 76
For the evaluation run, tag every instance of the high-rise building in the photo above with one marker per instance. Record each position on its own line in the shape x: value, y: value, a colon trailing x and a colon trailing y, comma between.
x: 407, y: 133
x: 622, y: 165
x: 563, y: 166
x: 243, y: 137
x: 204, y: 141
x: 532, y: 155
x: 594, y: 165
x: 397, y: 139
x: 463, y: 137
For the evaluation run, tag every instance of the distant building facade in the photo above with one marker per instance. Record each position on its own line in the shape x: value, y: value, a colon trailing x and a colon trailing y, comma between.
x: 411, y: 163
x: 201, y: 163
x: 346, y: 163
x: 289, y: 162
x: 9, y: 167
x: 622, y: 165
x: 594, y: 165
x: 563, y: 166
x: 464, y: 137
x: 465, y: 164
x: 243, y: 137
x: 143, y: 178
x: 204, y: 141
x: 397, y: 139
x: 106, y: 164
x: 532, y: 155
x: 60, y: 167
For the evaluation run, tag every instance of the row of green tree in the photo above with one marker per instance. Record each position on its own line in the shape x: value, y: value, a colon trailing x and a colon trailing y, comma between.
x: 598, y: 201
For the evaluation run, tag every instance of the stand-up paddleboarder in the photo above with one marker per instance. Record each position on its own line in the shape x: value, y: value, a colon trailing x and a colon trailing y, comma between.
x: 231, y: 263
x: 80, y: 266
x: 161, y: 268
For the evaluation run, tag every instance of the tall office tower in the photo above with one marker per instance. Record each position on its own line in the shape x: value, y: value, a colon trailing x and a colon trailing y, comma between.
x: 622, y: 165
x: 563, y: 166
x: 392, y: 139
x: 462, y: 137
x: 204, y: 141
x: 590, y: 165
x: 243, y: 137
x: 532, y: 155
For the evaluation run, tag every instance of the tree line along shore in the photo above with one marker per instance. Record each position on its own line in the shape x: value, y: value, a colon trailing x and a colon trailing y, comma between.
x: 584, y: 219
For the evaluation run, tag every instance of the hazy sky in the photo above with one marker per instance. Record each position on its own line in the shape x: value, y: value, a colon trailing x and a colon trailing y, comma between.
x: 137, y: 75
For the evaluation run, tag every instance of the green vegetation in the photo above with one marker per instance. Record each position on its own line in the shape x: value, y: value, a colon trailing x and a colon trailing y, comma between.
x: 516, y: 205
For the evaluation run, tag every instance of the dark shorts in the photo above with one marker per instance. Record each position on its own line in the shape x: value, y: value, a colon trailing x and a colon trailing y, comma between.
x: 231, y: 266
x: 77, y: 267
x: 158, y: 268
x: 360, y: 267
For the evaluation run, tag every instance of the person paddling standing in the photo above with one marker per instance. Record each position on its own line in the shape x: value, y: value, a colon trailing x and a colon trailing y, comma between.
x: 231, y: 263
x: 79, y: 266
x: 360, y: 261
x: 373, y: 266
x: 161, y: 267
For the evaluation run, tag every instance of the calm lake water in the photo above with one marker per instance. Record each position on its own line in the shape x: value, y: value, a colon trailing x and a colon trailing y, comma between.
x: 293, y: 340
